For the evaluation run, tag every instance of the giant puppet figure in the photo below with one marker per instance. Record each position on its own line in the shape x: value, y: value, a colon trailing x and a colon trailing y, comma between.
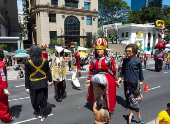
x: 102, y: 77
x: 37, y: 73
x: 160, y: 47
x: 59, y: 73
x: 158, y: 56
x: 4, y: 105
x: 44, y: 54
x: 75, y: 65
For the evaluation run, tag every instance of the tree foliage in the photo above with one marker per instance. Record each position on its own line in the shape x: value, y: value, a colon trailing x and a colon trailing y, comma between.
x: 22, y: 31
x: 112, y: 11
x: 56, y: 41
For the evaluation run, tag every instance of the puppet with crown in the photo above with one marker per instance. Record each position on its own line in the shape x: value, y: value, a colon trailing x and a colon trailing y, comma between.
x: 102, y: 79
x: 44, y: 54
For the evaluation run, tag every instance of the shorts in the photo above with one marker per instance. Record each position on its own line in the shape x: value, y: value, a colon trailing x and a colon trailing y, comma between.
x: 135, y: 109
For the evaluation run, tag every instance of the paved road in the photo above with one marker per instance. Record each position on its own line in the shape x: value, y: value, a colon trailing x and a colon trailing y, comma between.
x: 76, y: 110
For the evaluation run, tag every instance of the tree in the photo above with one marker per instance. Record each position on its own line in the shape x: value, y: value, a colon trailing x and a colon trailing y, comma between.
x: 22, y: 31
x: 56, y: 41
x: 115, y: 37
x: 112, y: 11
x: 89, y: 40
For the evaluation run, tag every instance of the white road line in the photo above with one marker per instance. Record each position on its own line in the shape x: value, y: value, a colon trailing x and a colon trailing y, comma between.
x: 29, y: 120
x: 20, y: 86
x: 165, y: 72
x: 143, y: 69
x: 18, y: 99
x: 154, y: 88
x: 151, y: 122
x: 82, y: 77
x: 152, y: 68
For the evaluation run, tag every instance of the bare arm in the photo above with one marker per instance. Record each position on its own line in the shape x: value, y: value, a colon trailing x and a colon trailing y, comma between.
x: 106, y: 114
x: 157, y: 121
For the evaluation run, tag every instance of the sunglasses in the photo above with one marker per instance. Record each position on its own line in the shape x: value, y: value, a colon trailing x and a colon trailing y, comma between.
x: 128, y: 51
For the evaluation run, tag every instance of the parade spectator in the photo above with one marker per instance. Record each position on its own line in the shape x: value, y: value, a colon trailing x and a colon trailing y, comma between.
x: 164, y: 116
x: 134, y: 100
x: 167, y: 61
x: 20, y: 72
x: 145, y: 59
x: 151, y: 53
x: 69, y: 65
x: 131, y: 71
x: 101, y: 115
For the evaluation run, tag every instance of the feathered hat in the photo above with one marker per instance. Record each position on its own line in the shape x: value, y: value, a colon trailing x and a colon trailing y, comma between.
x: 43, y: 46
x: 101, y: 44
x: 59, y: 48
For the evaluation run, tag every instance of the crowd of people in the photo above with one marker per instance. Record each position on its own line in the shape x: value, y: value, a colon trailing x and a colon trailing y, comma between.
x: 102, y: 80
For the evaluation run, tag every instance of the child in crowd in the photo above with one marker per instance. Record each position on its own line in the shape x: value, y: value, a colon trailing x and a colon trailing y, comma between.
x: 134, y: 100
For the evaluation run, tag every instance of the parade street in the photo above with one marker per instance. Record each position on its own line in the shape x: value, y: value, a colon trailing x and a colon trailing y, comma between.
x: 76, y: 110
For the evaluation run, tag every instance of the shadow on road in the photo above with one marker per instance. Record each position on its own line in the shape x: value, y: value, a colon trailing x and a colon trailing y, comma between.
x: 127, y: 119
x: 151, y: 70
x: 49, y: 109
x: 121, y: 101
x: 15, y: 111
x: 89, y: 105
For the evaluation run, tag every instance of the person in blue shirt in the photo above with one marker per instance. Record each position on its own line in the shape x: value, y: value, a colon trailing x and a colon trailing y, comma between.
x: 131, y: 71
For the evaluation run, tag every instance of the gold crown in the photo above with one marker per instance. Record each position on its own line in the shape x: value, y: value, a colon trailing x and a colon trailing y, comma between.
x: 101, y: 44
x: 43, y: 46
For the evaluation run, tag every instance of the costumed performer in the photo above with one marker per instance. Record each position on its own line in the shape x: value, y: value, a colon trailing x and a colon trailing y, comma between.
x: 44, y: 54
x: 36, y: 80
x: 4, y: 104
x: 75, y: 65
x: 59, y: 73
x: 102, y: 77
x: 159, y: 55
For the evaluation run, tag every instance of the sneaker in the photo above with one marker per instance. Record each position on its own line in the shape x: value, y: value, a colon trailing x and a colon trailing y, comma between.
x: 42, y: 119
x: 38, y: 116
x: 10, y: 120
x: 141, y: 122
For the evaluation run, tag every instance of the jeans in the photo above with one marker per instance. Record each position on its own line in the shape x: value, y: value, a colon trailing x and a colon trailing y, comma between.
x: 167, y: 65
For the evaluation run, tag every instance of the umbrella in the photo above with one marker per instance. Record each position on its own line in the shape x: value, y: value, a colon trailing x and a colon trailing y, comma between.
x: 167, y: 49
x: 5, y: 51
x: 83, y: 54
x: 21, y: 55
x: 21, y: 51
x: 82, y: 48
x: 67, y: 51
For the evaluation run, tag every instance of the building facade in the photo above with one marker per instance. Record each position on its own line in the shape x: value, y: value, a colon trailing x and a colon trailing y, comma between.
x: 69, y: 20
x: 146, y: 34
x: 9, y: 28
x: 138, y: 4
x: 20, y: 17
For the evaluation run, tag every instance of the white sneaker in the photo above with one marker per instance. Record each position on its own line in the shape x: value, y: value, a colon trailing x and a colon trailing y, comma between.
x: 42, y: 119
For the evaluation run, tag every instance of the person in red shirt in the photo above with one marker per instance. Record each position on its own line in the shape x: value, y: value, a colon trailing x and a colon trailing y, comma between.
x: 44, y: 54
x: 4, y: 105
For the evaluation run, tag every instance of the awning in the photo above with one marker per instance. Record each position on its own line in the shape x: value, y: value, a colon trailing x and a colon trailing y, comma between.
x: 21, y: 55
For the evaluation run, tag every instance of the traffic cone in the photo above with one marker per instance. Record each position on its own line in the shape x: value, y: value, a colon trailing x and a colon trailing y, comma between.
x: 146, y: 88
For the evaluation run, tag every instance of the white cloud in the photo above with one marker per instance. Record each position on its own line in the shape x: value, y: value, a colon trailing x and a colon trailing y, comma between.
x: 19, y: 3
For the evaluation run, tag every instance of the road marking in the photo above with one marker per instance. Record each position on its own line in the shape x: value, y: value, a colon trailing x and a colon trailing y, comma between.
x: 20, y: 86
x: 165, y: 72
x: 82, y: 77
x: 30, y: 120
x: 143, y: 69
x: 18, y: 99
x: 151, y: 122
x: 154, y: 88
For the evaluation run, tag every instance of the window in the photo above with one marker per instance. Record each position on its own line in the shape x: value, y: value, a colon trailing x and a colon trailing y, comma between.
x: 71, y: 3
x: 54, y: 2
x: 52, y: 17
x: 86, y: 5
x: 53, y: 34
x: 122, y: 34
x: 89, y: 21
x: 126, y: 34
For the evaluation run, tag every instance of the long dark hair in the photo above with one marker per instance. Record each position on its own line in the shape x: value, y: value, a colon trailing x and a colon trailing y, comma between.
x: 1, y: 53
x: 105, y: 53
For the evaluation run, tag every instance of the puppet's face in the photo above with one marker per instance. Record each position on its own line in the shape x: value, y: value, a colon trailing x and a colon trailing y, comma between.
x: 129, y: 52
x: 100, y: 52
x: 72, y: 49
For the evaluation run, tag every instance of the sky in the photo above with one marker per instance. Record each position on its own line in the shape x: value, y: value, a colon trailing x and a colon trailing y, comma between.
x: 165, y: 2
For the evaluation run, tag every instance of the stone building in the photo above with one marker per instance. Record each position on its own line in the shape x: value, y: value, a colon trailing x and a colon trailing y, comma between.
x: 69, y: 20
